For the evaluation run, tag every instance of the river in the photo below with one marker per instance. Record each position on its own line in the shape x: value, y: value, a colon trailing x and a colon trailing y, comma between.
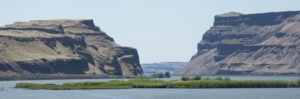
x: 9, y: 92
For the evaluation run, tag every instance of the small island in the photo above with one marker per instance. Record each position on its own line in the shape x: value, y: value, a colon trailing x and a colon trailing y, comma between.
x: 184, y: 82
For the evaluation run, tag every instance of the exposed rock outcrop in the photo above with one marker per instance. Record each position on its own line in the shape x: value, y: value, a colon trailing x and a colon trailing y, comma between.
x: 249, y: 44
x: 63, y: 47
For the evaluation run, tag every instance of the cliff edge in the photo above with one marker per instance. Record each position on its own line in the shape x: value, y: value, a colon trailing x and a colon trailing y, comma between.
x: 249, y: 44
x: 63, y: 47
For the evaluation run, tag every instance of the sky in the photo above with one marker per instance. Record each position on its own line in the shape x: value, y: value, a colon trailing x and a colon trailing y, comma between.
x: 161, y: 30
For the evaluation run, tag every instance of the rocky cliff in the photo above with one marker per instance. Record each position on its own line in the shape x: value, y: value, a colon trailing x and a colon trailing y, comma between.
x: 63, y: 47
x: 249, y: 44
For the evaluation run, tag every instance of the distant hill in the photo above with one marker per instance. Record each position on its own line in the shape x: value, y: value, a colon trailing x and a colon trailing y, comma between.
x: 161, y: 67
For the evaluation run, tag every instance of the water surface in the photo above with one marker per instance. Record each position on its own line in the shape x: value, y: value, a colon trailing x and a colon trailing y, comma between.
x: 226, y: 93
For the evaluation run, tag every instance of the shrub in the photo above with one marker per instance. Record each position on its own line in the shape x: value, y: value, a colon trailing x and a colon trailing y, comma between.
x: 158, y: 75
x: 197, y: 77
x: 161, y: 75
x: 167, y: 75
x: 185, y: 78
x: 218, y: 78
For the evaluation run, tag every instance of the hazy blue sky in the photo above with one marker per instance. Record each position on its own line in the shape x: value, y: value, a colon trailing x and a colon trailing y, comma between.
x: 161, y: 30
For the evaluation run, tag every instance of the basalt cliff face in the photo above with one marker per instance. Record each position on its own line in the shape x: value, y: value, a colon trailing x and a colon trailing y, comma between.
x: 63, y: 47
x: 252, y: 44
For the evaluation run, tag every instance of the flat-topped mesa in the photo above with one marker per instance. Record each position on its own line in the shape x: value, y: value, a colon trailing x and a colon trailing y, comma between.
x: 63, y: 47
x: 249, y: 44
x: 66, y: 25
x: 261, y: 19
x: 230, y: 14
x: 63, y: 22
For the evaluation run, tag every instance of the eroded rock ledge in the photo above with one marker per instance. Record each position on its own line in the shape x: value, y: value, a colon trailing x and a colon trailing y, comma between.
x: 63, y: 47
x: 249, y: 44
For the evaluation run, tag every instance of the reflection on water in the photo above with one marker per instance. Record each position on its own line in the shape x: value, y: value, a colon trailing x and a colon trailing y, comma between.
x: 8, y: 92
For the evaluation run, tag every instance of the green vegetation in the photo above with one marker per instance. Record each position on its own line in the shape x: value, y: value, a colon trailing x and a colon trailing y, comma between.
x: 185, y: 78
x: 185, y: 82
x: 197, y: 77
x: 167, y: 74
x: 227, y: 79
x: 79, y: 85
x: 161, y: 75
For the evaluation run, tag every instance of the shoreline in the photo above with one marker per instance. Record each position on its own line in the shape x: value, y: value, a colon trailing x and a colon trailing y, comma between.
x: 58, y: 77
x: 81, y: 76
